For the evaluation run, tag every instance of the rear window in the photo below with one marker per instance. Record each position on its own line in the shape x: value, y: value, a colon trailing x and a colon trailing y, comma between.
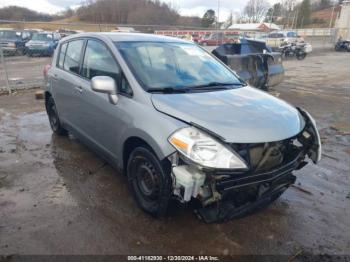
x: 73, y: 55
x: 62, y: 54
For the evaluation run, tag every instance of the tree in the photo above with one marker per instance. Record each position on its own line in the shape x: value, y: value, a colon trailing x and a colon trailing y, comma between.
x: 274, y: 12
x: 255, y: 10
x: 304, y: 13
x: 324, y: 4
x: 208, y: 18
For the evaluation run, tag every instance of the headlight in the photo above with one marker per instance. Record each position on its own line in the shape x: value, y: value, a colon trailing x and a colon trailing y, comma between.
x: 47, y: 44
x: 11, y: 44
x: 205, y: 150
x: 27, y: 44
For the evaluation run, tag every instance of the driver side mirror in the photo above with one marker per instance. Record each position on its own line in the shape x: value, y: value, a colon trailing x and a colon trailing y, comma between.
x: 107, y: 85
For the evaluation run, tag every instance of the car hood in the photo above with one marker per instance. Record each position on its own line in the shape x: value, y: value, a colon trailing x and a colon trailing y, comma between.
x: 242, y: 115
x: 37, y: 42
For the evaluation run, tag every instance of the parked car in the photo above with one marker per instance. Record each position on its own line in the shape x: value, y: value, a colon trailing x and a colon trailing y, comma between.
x: 217, y: 38
x: 276, y: 39
x: 13, y: 41
x: 253, y: 61
x: 180, y: 123
x: 43, y: 43
x: 294, y: 50
x: 342, y: 45
x: 195, y: 38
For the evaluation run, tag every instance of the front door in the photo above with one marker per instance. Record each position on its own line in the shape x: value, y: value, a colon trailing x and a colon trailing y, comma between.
x: 100, y: 120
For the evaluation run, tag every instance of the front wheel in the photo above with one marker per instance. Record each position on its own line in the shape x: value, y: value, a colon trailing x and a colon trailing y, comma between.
x: 149, y: 180
x: 55, y: 123
x: 301, y: 55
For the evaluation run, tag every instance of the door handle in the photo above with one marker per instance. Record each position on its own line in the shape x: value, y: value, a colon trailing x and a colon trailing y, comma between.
x: 55, y: 77
x: 79, y: 89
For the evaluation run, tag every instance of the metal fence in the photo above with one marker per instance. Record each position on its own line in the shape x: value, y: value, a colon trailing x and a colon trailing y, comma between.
x: 22, y: 69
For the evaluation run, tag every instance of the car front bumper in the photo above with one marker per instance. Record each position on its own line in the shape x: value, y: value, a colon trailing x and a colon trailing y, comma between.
x: 226, y: 194
x: 39, y: 50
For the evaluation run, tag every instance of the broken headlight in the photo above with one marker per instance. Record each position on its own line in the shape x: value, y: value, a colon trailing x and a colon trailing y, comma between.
x: 204, y: 150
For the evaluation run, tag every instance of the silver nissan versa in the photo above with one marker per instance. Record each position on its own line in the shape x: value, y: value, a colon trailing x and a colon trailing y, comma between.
x: 178, y: 122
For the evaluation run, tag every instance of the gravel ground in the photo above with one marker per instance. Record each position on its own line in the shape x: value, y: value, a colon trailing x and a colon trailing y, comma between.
x: 57, y: 197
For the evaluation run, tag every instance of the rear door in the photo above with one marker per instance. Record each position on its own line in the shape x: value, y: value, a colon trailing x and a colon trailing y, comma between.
x: 66, y: 81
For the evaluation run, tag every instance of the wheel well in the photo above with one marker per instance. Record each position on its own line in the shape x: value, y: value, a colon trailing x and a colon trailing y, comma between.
x: 133, y: 142
x: 130, y: 144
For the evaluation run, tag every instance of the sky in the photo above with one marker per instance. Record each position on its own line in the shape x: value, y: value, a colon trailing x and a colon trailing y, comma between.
x: 185, y: 7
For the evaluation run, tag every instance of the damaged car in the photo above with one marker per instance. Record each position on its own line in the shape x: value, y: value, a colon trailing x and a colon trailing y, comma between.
x: 253, y: 61
x: 178, y: 122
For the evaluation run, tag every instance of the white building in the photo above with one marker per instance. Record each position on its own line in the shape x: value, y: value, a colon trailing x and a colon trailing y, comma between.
x: 343, y: 20
x: 255, y: 27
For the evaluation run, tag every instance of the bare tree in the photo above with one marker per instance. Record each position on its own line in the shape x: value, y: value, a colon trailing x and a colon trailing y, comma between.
x: 255, y: 10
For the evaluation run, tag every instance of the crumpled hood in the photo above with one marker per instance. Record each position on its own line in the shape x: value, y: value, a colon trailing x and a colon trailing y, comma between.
x: 242, y: 115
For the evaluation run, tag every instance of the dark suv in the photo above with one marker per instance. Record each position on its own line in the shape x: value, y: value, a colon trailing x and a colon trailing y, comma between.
x: 13, y: 41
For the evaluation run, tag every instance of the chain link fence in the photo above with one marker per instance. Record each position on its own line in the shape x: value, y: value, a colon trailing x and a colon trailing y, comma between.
x: 26, y: 47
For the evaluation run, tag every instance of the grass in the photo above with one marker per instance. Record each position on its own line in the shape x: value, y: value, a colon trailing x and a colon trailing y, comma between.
x: 71, y: 23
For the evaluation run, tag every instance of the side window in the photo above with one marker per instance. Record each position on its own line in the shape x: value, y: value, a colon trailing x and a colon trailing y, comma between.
x: 73, y: 54
x: 98, y: 61
x: 62, y: 55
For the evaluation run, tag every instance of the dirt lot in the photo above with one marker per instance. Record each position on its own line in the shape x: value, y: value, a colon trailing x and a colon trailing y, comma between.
x: 57, y: 197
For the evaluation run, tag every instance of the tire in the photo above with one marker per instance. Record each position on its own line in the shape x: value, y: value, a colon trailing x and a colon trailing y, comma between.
x: 54, y: 120
x: 149, y: 181
x: 301, y: 56
x: 20, y: 52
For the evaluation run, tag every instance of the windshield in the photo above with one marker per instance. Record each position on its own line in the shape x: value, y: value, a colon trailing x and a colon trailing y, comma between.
x: 292, y: 34
x: 8, y: 34
x: 174, y: 65
x: 42, y: 37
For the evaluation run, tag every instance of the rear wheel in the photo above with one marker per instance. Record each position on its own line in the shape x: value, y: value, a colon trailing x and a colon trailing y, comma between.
x: 149, y: 180
x: 55, y: 123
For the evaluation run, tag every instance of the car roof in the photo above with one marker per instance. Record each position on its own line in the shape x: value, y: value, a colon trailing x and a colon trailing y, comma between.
x: 131, y: 37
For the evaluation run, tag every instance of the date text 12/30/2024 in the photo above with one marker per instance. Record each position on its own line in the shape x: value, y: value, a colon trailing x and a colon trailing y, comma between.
x: 173, y: 258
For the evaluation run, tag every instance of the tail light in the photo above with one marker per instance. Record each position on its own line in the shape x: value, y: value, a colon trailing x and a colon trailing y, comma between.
x: 46, y: 71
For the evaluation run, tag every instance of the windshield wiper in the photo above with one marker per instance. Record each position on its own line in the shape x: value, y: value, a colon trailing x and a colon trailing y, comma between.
x: 216, y: 85
x: 168, y: 90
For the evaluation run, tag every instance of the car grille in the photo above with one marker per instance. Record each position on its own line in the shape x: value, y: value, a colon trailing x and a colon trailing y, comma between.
x: 267, y: 156
x: 267, y: 163
x: 237, y: 181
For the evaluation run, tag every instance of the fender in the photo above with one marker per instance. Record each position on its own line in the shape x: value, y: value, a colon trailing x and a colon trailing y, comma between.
x: 315, y: 152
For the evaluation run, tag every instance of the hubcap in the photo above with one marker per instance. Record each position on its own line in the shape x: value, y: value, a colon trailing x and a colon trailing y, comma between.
x: 147, y: 181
